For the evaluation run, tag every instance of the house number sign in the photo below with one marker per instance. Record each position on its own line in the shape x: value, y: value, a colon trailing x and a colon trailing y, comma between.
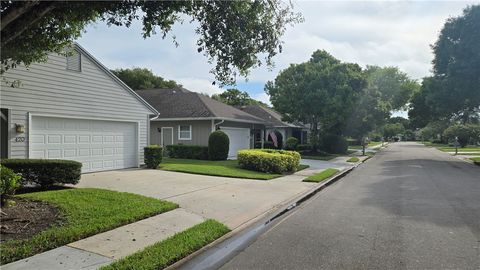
x: 19, y: 139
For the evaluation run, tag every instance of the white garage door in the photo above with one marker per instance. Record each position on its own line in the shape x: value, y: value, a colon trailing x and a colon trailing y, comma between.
x: 99, y: 145
x: 239, y: 139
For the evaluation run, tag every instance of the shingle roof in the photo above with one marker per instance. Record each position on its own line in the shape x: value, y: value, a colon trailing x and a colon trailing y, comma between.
x: 181, y: 103
x: 272, y: 117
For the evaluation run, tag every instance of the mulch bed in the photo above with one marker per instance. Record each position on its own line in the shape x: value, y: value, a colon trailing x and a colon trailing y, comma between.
x: 26, y: 218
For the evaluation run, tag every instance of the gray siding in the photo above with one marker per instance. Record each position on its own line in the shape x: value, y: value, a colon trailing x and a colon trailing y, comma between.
x: 200, y: 131
x: 49, y: 88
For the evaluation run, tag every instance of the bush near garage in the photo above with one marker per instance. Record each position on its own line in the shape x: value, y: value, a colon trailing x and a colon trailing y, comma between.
x: 335, y: 144
x: 218, y: 145
x: 188, y: 151
x: 291, y: 143
x: 153, y: 156
x: 269, y: 160
x: 9, y: 182
x: 45, y: 172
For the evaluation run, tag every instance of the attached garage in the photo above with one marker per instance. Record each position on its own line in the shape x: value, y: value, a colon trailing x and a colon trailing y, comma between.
x: 98, y: 145
x: 239, y: 139
x: 73, y: 109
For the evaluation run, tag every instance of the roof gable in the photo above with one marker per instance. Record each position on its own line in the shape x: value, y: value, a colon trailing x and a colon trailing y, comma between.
x: 114, y: 78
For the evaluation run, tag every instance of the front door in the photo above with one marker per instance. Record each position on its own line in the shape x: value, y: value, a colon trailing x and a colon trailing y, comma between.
x: 167, y: 136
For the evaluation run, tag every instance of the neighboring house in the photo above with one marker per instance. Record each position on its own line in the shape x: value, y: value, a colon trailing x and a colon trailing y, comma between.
x: 72, y: 107
x: 189, y: 118
x: 276, y: 129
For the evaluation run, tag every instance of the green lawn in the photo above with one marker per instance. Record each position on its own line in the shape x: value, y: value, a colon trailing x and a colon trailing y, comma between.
x: 85, y: 212
x: 172, y: 249
x: 228, y: 168
x: 476, y: 160
x: 465, y: 149
x: 319, y: 177
x: 320, y: 157
x: 353, y: 159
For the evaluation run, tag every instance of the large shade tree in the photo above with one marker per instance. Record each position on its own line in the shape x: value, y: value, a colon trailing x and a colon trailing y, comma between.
x: 236, y: 97
x: 142, y: 78
x: 234, y: 35
x: 320, y: 92
x: 453, y: 92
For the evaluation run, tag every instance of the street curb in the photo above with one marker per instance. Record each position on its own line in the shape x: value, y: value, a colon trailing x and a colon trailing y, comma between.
x: 278, y: 212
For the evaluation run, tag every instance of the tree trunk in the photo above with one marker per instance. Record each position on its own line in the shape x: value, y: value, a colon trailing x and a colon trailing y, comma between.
x: 16, y: 12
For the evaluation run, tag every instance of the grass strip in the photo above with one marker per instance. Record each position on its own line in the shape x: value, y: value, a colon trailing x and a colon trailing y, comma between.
x: 476, y: 160
x: 172, y: 249
x: 353, y: 159
x: 319, y: 177
x: 84, y: 212
x: 226, y: 168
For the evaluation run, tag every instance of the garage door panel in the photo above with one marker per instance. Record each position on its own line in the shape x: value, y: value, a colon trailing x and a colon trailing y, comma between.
x: 98, y: 145
x: 239, y: 139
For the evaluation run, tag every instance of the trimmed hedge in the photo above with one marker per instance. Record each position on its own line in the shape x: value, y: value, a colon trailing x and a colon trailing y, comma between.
x: 304, y: 147
x: 188, y: 151
x: 9, y: 182
x: 291, y: 143
x: 45, y: 172
x: 335, y: 144
x: 153, y: 156
x: 269, y: 160
x: 218, y: 145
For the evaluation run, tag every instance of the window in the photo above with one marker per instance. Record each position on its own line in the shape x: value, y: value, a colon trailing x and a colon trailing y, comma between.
x: 184, y: 132
x: 74, y: 61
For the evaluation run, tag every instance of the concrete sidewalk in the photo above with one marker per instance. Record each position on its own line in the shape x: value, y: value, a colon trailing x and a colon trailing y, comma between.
x: 234, y: 202
x: 102, y: 249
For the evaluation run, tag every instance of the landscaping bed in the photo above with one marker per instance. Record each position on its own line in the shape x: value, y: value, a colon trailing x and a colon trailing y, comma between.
x: 81, y: 213
x: 172, y: 249
x: 26, y: 218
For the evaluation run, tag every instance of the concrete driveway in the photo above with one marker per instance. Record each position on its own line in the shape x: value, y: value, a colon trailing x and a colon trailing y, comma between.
x: 228, y: 200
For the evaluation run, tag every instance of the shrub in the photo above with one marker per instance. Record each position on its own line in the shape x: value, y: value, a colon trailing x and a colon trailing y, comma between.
x: 335, y: 144
x: 187, y: 151
x: 463, y: 132
x: 153, y: 156
x: 9, y: 182
x: 218, y: 145
x: 304, y: 147
x: 45, y: 172
x: 268, y: 145
x: 291, y: 143
x: 269, y: 160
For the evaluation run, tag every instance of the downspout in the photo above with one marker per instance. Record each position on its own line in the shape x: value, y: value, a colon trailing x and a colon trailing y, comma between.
x: 219, y: 123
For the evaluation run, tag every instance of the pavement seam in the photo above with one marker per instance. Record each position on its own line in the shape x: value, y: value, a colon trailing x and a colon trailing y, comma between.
x: 193, y: 191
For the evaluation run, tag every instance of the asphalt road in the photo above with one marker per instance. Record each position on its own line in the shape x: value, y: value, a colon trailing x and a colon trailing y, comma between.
x: 409, y: 207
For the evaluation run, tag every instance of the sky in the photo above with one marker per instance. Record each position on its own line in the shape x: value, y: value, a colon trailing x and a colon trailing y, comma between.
x: 368, y: 33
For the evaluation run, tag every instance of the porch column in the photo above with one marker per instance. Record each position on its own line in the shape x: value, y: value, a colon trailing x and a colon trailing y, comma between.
x: 262, y: 136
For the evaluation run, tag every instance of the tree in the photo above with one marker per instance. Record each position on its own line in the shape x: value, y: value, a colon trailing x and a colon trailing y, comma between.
x: 321, y: 92
x: 392, y: 130
x: 420, y: 113
x: 232, y: 34
x: 453, y: 92
x: 395, y: 86
x: 234, y: 97
x: 369, y: 113
x: 142, y: 78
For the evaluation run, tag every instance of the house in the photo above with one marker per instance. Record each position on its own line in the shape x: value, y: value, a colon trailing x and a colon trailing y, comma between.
x: 189, y: 118
x: 72, y: 107
x: 276, y: 129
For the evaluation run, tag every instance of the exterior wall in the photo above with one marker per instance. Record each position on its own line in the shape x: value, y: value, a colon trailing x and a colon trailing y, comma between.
x: 50, y: 89
x: 200, y: 131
